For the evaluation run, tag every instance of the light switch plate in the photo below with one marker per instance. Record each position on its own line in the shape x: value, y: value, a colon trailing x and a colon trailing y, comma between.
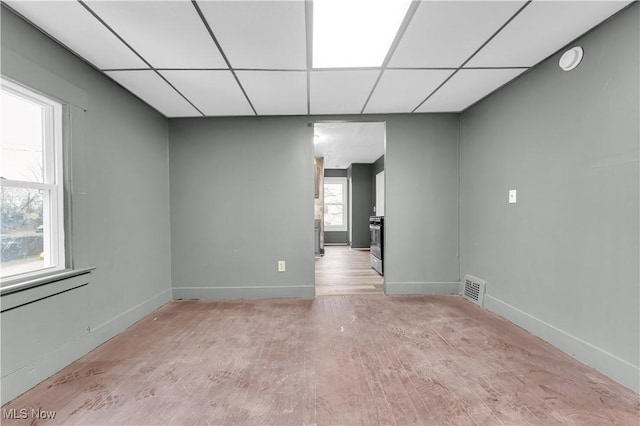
x: 282, y: 266
x: 512, y: 196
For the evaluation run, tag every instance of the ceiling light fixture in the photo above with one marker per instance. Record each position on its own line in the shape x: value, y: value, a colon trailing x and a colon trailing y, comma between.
x: 355, y: 33
x: 571, y: 58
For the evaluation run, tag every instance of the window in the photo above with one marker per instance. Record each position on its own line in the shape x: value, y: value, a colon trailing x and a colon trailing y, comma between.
x: 335, y: 204
x: 31, y: 183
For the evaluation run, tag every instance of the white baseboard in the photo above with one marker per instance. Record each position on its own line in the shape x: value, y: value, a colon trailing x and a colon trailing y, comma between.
x: 398, y: 288
x: 244, y: 292
x: 609, y: 364
x: 20, y: 381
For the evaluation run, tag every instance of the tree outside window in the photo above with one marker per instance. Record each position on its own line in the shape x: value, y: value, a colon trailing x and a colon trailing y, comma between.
x: 335, y: 204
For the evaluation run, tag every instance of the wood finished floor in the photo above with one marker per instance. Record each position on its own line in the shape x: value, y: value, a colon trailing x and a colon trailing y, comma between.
x: 343, y: 270
x: 342, y: 360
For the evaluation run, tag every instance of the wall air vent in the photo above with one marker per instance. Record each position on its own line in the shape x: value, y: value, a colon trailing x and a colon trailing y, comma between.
x: 473, y: 289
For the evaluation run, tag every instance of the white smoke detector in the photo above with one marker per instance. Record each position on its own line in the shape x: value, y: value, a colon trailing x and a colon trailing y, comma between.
x: 571, y: 58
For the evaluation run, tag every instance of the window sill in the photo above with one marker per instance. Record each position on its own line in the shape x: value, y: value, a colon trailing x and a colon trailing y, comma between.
x: 13, y: 293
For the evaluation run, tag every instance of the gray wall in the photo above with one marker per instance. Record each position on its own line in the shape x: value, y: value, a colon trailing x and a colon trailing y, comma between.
x: 421, y: 204
x: 120, y: 215
x: 335, y: 237
x: 335, y: 172
x: 563, y: 261
x: 241, y: 199
x: 378, y: 166
x: 361, y: 204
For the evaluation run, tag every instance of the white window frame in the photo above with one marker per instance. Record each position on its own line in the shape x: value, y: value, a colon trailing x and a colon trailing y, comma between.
x: 53, y: 186
x: 345, y: 206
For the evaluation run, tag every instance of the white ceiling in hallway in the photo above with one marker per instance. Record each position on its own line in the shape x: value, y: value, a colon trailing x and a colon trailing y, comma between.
x: 223, y: 58
x: 342, y: 144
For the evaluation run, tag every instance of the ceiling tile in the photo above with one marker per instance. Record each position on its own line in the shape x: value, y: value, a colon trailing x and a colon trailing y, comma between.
x: 541, y: 29
x: 168, y: 34
x: 72, y: 25
x: 276, y: 92
x: 402, y: 90
x: 340, y: 92
x: 152, y: 89
x: 468, y: 87
x: 259, y: 34
x: 213, y: 92
x: 444, y: 34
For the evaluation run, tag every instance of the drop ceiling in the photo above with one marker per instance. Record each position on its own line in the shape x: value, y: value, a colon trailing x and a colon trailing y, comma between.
x: 237, y: 58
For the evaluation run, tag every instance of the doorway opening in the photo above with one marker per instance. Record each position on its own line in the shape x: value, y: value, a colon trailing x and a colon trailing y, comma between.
x: 349, y: 191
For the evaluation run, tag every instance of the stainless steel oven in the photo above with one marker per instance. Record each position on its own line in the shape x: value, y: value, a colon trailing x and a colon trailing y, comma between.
x: 376, y: 228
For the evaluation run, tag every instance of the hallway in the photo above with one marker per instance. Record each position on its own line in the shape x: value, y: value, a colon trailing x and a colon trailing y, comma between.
x: 343, y: 271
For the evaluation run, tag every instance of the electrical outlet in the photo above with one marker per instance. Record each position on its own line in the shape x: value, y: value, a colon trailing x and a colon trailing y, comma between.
x: 282, y: 266
x: 512, y: 196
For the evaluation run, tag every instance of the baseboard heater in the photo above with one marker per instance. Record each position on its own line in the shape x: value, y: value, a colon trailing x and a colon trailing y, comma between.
x: 473, y: 289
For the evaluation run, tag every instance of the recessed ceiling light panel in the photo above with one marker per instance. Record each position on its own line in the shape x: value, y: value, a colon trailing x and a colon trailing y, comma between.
x: 355, y: 33
x: 571, y: 58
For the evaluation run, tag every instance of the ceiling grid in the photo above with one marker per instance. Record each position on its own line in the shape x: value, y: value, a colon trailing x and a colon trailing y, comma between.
x: 223, y: 58
x: 83, y: 4
x: 308, y: 32
x: 226, y: 60
x: 472, y: 55
x: 394, y: 45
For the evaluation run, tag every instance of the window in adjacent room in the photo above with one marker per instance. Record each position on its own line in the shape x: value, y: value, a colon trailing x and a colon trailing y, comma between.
x: 31, y: 183
x: 335, y: 204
